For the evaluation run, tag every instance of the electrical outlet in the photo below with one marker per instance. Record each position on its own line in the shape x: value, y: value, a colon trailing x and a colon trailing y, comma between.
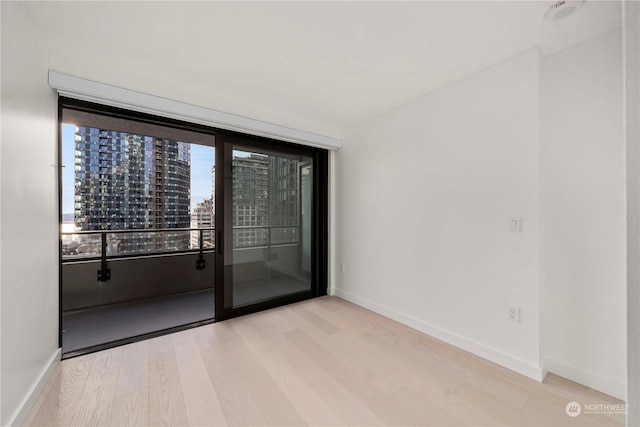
x: 515, y: 225
x: 514, y: 314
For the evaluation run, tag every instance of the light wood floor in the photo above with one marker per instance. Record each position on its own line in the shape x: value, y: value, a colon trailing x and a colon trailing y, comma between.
x: 322, y: 362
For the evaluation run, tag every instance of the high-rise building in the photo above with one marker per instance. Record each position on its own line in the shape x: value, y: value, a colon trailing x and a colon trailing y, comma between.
x: 266, y: 200
x: 203, y: 217
x: 284, y: 199
x: 125, y: 181
x: 250, y: 200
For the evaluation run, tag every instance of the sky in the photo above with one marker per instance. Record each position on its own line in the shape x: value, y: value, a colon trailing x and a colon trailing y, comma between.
x: 202, y: 158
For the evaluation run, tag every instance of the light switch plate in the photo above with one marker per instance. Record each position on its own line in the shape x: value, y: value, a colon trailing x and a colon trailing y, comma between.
x: 515, y: 224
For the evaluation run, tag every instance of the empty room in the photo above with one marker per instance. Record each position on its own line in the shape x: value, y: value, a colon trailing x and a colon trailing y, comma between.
x: 291, y: 213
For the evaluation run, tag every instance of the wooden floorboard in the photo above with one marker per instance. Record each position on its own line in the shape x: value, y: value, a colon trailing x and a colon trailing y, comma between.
x: 323, y: 362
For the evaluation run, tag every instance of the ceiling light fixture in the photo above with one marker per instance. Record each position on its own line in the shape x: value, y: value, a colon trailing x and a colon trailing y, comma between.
x: 561, y: 9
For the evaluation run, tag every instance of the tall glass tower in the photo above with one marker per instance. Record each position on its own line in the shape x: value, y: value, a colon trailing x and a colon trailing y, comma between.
x: 126, y: 181
x: 250, y: 198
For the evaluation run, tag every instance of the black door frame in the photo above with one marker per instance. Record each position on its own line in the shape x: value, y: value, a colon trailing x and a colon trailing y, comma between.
x: 320, y: 214
x: 319, y: 233
x: 119, y: 113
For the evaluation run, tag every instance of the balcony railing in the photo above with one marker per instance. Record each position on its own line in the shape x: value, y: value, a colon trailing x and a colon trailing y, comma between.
x: 102, y: 267
x: 91, y: 244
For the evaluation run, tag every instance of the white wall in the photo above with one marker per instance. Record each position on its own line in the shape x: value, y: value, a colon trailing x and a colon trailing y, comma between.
x: 426, y: 191
x: 0, y: 225
x: 133, y: 71
x: 423, y: 202
x: 29, y: 213
x: 583, y: 213
x: 632, y: 103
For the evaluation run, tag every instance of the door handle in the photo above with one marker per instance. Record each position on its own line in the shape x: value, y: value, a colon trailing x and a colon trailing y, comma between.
x: 220, y: 242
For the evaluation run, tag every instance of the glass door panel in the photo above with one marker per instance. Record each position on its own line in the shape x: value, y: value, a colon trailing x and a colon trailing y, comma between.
x: 268, y: 206
x: 138, y: 231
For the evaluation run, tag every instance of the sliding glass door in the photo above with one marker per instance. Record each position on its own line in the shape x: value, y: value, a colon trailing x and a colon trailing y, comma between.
x: 269, y: 238
x: 162, y: 221
x: 137, y: 247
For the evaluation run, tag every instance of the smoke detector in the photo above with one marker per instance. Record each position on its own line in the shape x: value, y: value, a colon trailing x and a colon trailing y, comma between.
x: 561, y: 9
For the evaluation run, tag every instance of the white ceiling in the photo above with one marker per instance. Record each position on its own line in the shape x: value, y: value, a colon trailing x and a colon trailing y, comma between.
x: 334, y: 64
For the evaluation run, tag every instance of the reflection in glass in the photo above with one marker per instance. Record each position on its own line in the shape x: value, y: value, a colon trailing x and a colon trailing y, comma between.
x: 271, y: 218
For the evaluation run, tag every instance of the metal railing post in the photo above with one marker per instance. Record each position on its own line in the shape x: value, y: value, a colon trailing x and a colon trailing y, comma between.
x: 104, y: 274
x: 200, y: 262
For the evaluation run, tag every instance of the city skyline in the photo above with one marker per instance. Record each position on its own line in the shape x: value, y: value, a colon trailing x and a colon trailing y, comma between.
x: 130, y: 181
x: 202, y: 159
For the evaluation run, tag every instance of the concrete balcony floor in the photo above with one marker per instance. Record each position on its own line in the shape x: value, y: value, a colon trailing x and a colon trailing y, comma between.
x: 87, y: 328
x: 100, y: 325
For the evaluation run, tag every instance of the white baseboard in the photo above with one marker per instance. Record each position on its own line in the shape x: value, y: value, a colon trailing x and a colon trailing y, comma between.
x: 590, y: 379
x: 31, y: 397
x: 523, y: 367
